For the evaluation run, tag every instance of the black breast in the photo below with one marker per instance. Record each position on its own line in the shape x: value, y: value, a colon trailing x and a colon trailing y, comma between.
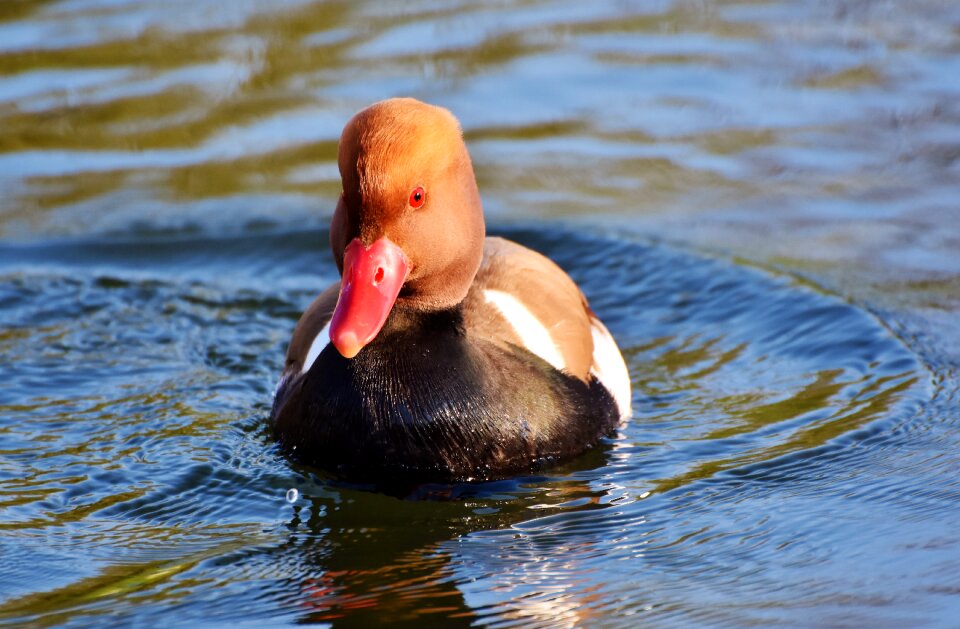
x: 424, y: 401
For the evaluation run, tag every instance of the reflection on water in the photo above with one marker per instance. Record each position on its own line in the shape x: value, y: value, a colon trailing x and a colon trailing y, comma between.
x: 167, y: 172
x: 119, y: 111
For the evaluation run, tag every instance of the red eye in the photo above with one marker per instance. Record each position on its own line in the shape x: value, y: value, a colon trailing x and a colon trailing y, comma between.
x: 417, y: 197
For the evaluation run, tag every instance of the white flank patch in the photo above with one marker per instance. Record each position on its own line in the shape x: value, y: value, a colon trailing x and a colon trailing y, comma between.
x: 533, y: 334
x: 318, y: 345
x: 609, y: 368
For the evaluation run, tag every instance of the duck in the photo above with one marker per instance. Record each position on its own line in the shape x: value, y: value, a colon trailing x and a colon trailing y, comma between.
x: 442, y: 354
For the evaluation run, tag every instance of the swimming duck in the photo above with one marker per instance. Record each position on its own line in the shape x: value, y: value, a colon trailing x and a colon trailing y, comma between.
x: 441, y: 354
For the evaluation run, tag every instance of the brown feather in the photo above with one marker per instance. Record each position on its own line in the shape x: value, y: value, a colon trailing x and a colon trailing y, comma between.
x: 386, y: 151
x: 546, y: 291
x: 311, y: 323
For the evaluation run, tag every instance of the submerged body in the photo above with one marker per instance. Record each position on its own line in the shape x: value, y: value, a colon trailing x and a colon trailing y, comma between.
x: 442, y: 354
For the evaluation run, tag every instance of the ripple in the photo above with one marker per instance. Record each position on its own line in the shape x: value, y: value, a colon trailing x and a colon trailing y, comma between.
x: 792, y: 455
x: 149, y: 455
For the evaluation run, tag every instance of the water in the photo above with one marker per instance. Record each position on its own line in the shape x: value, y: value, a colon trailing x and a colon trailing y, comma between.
x: 758, y: 198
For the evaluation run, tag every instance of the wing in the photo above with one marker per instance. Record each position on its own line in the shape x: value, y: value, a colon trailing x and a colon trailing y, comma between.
x: 310, y: 336
x: 522, y: 298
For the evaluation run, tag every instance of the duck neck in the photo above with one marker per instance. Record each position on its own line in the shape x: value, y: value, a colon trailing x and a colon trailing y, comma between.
x: 406, y: 320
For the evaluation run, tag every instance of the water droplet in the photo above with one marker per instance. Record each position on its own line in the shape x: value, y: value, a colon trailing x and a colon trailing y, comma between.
x: 292, y: 495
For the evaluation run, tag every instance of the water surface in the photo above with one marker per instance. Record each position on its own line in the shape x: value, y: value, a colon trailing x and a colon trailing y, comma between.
x: 758, y: 198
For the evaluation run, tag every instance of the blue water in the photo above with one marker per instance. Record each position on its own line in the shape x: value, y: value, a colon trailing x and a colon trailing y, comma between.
x: 759, y: 199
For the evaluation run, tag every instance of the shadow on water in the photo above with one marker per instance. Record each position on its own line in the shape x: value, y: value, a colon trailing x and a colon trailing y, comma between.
x: 743, y: 380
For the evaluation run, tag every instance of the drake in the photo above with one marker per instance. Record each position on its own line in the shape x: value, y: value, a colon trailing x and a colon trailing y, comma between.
x: 442, y: 354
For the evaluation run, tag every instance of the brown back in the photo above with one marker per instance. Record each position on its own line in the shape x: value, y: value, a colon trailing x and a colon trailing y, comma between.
x: 544, y: 289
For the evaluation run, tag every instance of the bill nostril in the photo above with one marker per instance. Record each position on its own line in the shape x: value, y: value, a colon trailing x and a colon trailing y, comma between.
x: 378, y: 276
